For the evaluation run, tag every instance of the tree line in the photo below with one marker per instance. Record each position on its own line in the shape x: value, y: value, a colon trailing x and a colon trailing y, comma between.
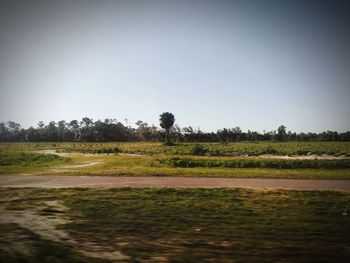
x: 88, y: 130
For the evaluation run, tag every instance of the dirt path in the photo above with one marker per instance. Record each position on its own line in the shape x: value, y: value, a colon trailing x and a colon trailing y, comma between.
x: 47, y: 181
x: 44, y: 219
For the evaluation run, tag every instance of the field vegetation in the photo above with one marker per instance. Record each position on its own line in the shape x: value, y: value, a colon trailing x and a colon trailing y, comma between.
x: 192, y: 225
x: 253, y: 163
x: 322, y: 160
x: 210, y: 149
x: 15, y: 161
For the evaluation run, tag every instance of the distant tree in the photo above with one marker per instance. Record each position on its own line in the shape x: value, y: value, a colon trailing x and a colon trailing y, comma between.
x: 13, y: 126
x: 176, y: 131
x: 143, y: 131
x: 237, y: 133
x: 188, y: 130
x: 112, y: 130
x: 51, y: 131
x: 166, y: 120
x: 61, y: 130
x: 41, y: 124
x: 73, y: 125
x: 87, y: 122
x: 281, y: 133
x: 32, y: 135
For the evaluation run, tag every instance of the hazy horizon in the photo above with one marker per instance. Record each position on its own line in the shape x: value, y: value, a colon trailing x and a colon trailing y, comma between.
x: 213, y: 64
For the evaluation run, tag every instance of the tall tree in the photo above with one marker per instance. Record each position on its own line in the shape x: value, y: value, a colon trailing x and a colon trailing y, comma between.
x: 166, y: 120
x: 41, y: 124
x: 281, y: 133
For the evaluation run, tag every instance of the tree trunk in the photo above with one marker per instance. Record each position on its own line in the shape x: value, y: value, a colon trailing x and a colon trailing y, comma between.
x: 167, y: 136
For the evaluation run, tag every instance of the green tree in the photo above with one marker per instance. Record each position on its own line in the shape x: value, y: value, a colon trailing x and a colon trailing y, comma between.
x: 41, y: 124
x: 166, y: 120
x: 281, y: 133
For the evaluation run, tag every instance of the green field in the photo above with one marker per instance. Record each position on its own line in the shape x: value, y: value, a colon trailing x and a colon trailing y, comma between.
x: 210, y: 149
x: 172, y: 225
x: 168, y: 225
x: 324, y: 160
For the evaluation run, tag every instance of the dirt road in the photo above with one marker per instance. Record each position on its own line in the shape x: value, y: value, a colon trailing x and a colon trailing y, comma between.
x: 47, y: 181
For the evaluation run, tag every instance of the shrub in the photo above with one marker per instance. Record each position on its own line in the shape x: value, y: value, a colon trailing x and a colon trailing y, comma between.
x: 256, y: 163
x: 270, y: 150
x: 198, y: 149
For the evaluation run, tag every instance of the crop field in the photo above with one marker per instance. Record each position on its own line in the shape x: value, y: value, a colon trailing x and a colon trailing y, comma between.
x: 322, y: 160
x: 210, y: 149
x: 168, y: 225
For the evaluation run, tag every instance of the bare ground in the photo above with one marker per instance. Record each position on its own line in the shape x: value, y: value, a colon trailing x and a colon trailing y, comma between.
x: 47, y: 181
x: 45, y: 224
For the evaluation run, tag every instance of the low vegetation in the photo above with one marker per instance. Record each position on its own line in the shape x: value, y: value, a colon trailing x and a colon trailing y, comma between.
x: 29, y: 159
x: 209, y: 149
x: 223, y: 149
x: 192, y: 225
x: 199, y: 159
x: 28, y: 162
x: 254, y: 163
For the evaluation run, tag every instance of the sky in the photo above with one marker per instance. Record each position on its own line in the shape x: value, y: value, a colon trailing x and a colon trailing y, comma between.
x: 213, y: 64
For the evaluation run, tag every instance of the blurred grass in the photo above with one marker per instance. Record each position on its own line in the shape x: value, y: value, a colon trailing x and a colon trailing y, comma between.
x: 203, y: 225
x: 41, y: 250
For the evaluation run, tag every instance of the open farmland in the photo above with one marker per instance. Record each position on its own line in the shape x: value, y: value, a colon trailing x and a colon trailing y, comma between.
x: 175, y: 131
x: 210, y: 149
x: 317, y: 160
x: 198, y: 224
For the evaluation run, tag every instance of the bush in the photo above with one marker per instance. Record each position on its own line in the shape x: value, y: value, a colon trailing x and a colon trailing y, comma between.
x: 256, y: 163
x: 270, y: 150
x: 103, y: 150
x: 198, y: 150
x: 109, y: 150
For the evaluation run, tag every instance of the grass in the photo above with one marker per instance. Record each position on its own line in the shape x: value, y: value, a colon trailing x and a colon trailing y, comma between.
x: 19, y: 162
x: 26, y: 158
x: 199, y: 225
x: 253, y: 163
x: 210, y: 149
x: 40, y: 250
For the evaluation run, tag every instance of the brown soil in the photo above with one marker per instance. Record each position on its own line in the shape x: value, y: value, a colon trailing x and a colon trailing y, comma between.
x: 48, y: 181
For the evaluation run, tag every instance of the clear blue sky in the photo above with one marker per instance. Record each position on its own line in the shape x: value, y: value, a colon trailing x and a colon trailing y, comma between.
x: 214, y: 64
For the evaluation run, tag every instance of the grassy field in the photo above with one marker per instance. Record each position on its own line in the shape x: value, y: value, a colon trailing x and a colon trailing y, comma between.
x: 154, y: 159
x: 168, y: 225
x: 210, y: 149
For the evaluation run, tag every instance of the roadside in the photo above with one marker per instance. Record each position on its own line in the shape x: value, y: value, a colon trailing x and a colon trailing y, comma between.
x: 173, y: 225
x: 47, y: 181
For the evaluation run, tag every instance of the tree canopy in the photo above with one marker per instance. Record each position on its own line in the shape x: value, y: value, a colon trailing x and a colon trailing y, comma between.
x: 112, y: 130
x: 166, y: 120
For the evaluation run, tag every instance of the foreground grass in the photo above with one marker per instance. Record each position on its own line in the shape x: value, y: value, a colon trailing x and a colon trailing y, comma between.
x: 37, y: 249
x: 192, y: 225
